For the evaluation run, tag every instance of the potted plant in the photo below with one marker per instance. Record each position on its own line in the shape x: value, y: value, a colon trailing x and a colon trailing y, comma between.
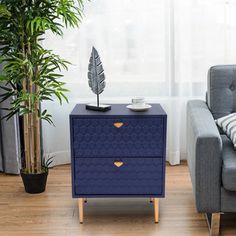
x: 32, y: 73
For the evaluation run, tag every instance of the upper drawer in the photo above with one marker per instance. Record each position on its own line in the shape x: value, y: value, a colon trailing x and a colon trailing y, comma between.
x: 127, y: 137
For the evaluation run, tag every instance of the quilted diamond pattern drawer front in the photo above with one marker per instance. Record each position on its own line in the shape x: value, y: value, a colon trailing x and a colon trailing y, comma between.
x: 137, y: 137
x: 99, y: 176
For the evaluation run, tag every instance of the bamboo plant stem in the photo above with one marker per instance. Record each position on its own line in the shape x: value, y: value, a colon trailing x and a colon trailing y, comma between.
x: 30, y: 143
x: 37, y: 139
x: 26, y: 139
x: 37, y: 126
x: 31, y: 116
x: 31, y: 136
x: 38, y: 145
x: 25, y: 116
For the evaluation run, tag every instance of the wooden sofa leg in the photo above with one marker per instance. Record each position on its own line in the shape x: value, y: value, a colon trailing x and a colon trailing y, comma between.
x: 213, y: 221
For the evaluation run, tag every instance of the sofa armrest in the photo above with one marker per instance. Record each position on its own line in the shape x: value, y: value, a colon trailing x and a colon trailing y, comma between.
x: 204, y: 148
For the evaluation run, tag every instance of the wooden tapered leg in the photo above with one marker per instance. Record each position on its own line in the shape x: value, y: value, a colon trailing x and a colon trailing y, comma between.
x: 81, y: 210
x: 156, y: 209
x: 213, y: 221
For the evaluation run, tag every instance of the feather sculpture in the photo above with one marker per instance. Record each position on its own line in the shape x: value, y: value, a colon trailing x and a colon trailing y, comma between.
x: 96, y: 80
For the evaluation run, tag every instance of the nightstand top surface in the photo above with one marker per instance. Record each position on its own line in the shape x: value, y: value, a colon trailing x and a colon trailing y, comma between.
x: 119, y: 109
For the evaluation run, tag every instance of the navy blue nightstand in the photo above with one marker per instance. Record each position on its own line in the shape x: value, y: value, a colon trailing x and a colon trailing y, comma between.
x: 118, y: 153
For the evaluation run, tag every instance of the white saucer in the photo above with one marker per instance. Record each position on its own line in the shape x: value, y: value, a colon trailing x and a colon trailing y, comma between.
x: 141, y: 108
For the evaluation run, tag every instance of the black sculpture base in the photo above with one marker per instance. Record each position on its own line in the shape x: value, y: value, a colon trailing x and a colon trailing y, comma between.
x: 94, y: 107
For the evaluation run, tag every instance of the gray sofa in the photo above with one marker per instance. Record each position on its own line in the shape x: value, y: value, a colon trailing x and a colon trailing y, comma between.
x: 210, y: 153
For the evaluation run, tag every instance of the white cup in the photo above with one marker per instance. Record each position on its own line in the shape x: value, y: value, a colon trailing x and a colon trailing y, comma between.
x: 138, y: 102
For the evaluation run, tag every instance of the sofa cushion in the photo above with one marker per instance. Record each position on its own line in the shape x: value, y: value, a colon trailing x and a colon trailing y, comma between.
x: 229, y: 164
x: 228, y: 125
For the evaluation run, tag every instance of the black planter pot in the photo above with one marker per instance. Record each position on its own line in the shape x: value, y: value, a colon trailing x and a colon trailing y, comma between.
x: 34, y: 183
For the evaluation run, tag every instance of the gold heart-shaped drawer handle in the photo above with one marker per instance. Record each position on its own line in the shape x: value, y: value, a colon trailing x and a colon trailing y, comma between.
x: 118, y: 163
x: 118, y: 124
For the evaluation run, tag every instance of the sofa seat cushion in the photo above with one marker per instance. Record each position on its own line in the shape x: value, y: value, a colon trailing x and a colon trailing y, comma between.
x: 229, y: 164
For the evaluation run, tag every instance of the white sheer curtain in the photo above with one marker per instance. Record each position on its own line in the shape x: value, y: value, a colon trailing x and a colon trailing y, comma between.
x: 160, y: 50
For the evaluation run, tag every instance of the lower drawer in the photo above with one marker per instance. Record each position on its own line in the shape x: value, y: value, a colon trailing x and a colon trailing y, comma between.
x: 100, y: 176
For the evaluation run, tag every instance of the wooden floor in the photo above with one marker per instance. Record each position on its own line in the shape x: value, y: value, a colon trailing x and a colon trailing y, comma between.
x: 55, y: 212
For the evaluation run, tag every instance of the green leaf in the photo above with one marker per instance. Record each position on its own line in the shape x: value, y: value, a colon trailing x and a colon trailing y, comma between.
x: 4, y: 12
x: 58, y: 96
x: 44, y: 112
x: 63, y: 95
